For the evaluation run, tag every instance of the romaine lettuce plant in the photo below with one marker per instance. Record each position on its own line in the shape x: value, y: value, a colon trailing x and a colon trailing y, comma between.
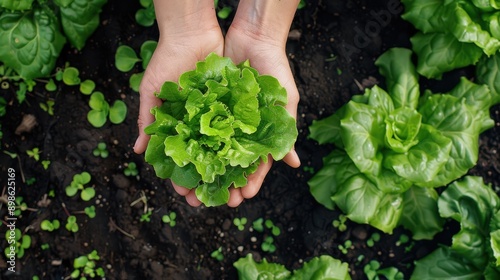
x: 44, y: 26
x: 216, y: 126
x: 453, y: 34
x: 475, y: 249
x: 322, y: 267
x: 395, y: 147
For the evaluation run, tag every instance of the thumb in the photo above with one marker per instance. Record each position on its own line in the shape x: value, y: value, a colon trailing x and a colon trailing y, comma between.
x: 147, y: 102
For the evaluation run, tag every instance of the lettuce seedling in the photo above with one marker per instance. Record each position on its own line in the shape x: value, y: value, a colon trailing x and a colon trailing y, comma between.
x: 78, y: 184
x: 475, y: 250
x: 216, y: 126
x: 322, y: 267
x: 452, y: 34
x: 100, y: 110
x: 395, y: 147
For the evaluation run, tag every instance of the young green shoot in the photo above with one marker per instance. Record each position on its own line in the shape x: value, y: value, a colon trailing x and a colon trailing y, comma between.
x: 169, y: 219
x: 90, y: 211
x: 340, y: 223
x: 79, y: 184
x: 373, y: 239
x: 274, y: 229
x: 22, y: 242
x: 86, y: 266
x: 48, y: 107
x: 217, y: 254
x: 50, y: 226
x: 268, y: 245
x: 345, y: 247
x: 71, y: 224
x: 131, y: 169
x: 146, y: 217
x: 101, y: 150
x: 258, y: 225
x: 46, y: 164
x: 373, y: 272
x: 240, y: 223
x: 34, y: 153
x: 87, y: 87
x: 70, y: 76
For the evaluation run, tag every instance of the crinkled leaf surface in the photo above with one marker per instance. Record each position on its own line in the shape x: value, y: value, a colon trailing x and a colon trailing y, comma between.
x: 221, y: 120
x: 30, y: 42
x: 80, y: 19
x: 16, y: 5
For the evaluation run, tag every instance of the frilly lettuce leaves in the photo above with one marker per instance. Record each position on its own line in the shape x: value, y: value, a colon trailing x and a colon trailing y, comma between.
x: 216, y: 125
x: 452, y: 33
x: 395, y: 147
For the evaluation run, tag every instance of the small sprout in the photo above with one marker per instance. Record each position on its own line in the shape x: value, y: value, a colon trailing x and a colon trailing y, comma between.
x: 101, y: 150
x: 78, y: 183
x: 87, y: 87
x: 71, y: 224
x: 48, y: 107
x: 20, y: 206
x: 45, y: 246
x: 274, y: 229
x: 340, y: 223
x: 268, y: 245
x: 374, y: 238
x: 131, y: 169
x: 339, y: 71
x: 30, y: 181
x: 46, y: 164
x: 34, y: 153
x: 52, y: 193
x: 51, y: 85
x: 146, y: 217
x: 217, y: 254
x: 90, y: 211
x: 258, y: 225
x: 23, y: 242
x: 309, y: 169
x: 125, y: 58
x: 70, y: 76
x: 100, y: 110
x: 359, y: 259
x: 344, y: 247
x: 145, y: 16
x: 372, y: 271
x: 135, y: 81
x: 50, y: 226
x: 240, y: 223
x: 403, y: 239
x: 86, y: 266
x: 169, y: 219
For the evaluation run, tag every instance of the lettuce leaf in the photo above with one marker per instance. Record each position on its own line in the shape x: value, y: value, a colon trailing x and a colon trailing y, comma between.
x: 216, y: 125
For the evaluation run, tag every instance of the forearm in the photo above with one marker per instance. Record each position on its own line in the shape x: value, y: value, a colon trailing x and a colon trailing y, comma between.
x: 266, y: 19
x: 186, y: 17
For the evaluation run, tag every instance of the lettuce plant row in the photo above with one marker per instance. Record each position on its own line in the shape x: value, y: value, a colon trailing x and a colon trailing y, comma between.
x: 216, y: 125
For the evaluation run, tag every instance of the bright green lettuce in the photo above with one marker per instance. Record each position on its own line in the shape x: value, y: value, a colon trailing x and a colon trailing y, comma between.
x: 474, y: 253
x: 452, y: 34
x: 395, y: 147
x: 33, y: 33
x: 322, y: 267
x: 216, y: 126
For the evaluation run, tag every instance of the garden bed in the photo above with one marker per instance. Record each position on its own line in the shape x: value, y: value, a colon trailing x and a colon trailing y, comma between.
x: 331, y: 61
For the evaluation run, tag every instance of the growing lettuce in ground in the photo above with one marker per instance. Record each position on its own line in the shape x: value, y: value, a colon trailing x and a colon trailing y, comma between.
x: 452, y: 34
x: 394, y: 147
x: 216, y: 126
x: 475, y: 249
x: 322, y: 267
x: 33, y: 32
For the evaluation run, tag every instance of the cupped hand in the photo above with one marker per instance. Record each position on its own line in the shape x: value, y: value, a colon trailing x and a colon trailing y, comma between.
x: 174, y: 55
x: 268, y: 56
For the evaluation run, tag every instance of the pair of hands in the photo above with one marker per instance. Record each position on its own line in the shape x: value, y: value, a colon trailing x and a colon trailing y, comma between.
x: 177, y: 53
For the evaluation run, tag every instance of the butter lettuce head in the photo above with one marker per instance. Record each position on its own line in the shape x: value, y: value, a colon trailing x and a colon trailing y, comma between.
x: 216, y: 125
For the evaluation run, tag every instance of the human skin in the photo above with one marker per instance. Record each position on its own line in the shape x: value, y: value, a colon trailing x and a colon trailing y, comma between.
x: 189, y: 31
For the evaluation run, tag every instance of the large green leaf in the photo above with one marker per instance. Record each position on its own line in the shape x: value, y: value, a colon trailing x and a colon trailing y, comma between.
x: 80, y: 19
x: 488, y: 73
x: 30, y: 42
x: 424, y: 14
x: 16, y: 5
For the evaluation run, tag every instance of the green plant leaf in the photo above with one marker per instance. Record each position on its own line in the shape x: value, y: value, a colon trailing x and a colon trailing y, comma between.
x: 248, y: 269
x: 146, y: 52
x: 87, y: 194
x: 87, y: 87
x: 488, y: 73
x: 118, y: 112
x: 80, y: 19
x: 323, y: 267
x: 135, y: 81
x: 30, y: 42
x: 71, y: 76
x: 145, y: 17
x: 16, y: 5
x: 125, y: 58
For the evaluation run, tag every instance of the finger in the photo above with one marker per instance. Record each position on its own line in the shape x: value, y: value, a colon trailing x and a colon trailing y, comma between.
x: 147, y: 102
x: 192, y: 200
x: 292, y: 159
x: 235, y: 197
x: 180, y: 190
x: 256, y: 179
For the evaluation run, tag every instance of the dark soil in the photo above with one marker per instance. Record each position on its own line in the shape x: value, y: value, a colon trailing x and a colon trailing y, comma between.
x: 328, y: 60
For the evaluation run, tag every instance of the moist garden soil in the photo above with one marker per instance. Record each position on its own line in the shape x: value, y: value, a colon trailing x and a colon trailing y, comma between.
x: 331, y: 61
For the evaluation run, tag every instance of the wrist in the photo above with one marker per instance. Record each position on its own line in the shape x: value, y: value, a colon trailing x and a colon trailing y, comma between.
x: 185, y: 18
x: 265, y: 20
